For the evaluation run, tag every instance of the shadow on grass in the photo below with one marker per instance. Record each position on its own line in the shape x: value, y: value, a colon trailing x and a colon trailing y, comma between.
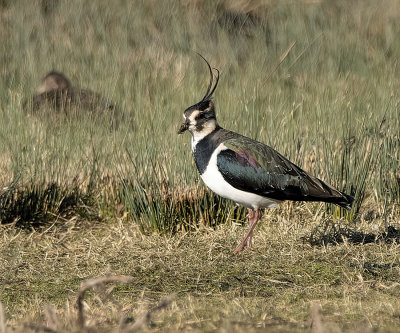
x: 330, y: 233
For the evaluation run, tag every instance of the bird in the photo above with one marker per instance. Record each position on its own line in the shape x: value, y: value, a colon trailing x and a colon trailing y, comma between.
x: 56, y: 91
x: 244, y: 170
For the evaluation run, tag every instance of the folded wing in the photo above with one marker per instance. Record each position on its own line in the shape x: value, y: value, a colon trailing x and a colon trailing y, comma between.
x: 257, y: 168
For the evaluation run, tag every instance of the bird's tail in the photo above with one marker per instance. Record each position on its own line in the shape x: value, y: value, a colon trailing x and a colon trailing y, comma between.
x: 346, y: 201
x: 327, y: 193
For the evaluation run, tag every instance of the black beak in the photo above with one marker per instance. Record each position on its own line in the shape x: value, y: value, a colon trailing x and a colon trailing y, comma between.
x: 184, y: 127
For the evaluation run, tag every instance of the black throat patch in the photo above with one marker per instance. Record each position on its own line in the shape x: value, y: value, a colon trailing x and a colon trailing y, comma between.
x: 206, y: 146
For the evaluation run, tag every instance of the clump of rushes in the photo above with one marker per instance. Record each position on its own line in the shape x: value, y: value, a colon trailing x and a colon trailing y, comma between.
x: 156, y: 203
x: 34, y: 205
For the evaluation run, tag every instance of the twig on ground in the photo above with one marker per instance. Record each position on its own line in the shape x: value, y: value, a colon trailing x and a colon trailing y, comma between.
x: 2, y: 319
x: 144, y: 319
x: 39, y: 328
x: 52, y: 318
x: 88, y: 284
x: 316, y: 318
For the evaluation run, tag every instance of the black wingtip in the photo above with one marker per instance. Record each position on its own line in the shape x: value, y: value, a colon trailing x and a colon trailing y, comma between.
x: 346, y: 202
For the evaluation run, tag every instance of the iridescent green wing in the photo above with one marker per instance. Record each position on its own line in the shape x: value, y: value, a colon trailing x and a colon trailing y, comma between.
x: 254, y: 167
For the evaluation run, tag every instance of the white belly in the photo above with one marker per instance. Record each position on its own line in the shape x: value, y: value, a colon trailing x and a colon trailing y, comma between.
x: 214, y: 180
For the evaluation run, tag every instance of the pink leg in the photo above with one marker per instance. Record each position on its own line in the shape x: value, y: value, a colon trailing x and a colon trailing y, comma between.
x: 250, y: 218
x: 253, y: 219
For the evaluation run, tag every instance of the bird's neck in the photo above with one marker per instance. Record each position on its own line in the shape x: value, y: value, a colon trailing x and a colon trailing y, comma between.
x: 208, y: 129
x: 204, y: 148
x: 200, y: 134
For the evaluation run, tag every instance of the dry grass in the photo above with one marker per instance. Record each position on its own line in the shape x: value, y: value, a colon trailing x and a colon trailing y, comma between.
x: 272, y: 286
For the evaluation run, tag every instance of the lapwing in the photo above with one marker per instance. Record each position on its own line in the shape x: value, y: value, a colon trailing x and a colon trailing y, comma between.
x: 57, y: 92
x: 246, y: 171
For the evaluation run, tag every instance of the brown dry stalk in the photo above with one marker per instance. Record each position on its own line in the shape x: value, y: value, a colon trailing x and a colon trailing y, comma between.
x: 144, y: 319
x: 2, y: 319
x: 316, y: 318
x: 89, y: 284
x: 52, y: 318
x: 39, y: 328
x: 281, y: 59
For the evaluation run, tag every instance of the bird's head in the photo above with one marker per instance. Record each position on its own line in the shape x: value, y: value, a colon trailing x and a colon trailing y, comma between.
x: 200, y: 118
x: 53, y: 81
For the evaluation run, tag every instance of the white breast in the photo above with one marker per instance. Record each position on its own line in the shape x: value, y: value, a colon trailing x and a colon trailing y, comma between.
x: 214, y: 180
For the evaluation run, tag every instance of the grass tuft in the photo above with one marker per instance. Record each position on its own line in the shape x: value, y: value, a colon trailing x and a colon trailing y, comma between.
x: 36, y: 205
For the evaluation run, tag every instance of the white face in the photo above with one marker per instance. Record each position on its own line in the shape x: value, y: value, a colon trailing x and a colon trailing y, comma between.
x: 52, y: 82
x: 47, y: 85
x: 192, y: 120
x: 198, y: 123
x: 199, y: 119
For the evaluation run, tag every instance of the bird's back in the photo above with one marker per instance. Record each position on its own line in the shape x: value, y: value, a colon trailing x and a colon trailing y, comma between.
x: 255, y: 167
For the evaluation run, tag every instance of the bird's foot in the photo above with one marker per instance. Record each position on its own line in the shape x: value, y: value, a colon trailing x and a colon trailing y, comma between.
x: 246, y: 242
x: 240, y: 247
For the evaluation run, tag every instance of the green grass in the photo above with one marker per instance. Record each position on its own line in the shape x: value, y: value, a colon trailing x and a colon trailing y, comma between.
x: 331, y: 105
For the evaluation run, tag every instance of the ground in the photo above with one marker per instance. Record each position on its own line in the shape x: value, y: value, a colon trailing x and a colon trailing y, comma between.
x: 272, y: 286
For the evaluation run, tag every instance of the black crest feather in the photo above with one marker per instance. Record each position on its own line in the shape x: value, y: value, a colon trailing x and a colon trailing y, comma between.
x: 210, y: 89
